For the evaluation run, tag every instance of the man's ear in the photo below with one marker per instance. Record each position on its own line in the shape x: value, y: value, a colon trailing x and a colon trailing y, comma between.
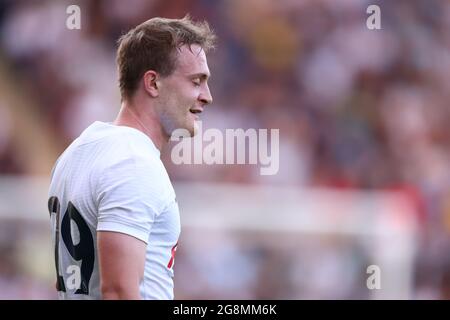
x: 151, y: 83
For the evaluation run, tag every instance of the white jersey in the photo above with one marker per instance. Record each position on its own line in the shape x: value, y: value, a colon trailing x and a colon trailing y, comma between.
x: 111, y: 178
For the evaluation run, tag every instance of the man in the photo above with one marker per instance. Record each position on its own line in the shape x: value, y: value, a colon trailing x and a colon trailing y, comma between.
x: 113, y: 210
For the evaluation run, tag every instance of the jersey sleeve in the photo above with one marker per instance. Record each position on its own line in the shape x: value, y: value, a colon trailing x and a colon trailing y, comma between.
x: 129, y: 198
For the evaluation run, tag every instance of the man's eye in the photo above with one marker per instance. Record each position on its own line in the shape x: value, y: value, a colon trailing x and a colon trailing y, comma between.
x: 196, y: 83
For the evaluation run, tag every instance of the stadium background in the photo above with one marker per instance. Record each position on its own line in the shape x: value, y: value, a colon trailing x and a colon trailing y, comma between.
x: 364, y: 144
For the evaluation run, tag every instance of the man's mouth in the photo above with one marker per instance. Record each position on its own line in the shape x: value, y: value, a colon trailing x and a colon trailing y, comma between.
x: 196, y: 111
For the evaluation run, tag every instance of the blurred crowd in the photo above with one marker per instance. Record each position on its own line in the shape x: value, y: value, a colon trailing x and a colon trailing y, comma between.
x: 356, y: 108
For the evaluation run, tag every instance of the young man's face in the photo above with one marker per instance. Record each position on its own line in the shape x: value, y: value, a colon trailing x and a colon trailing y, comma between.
x: 185, y: 92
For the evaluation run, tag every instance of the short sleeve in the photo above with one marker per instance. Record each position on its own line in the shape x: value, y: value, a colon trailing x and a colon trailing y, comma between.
x: 129, y: 198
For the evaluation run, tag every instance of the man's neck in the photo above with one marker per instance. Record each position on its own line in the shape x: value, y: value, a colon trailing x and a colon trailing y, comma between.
x: 146, y: 123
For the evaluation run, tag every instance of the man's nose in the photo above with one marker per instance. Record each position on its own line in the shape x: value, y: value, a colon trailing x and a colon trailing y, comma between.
x: 205, y: 96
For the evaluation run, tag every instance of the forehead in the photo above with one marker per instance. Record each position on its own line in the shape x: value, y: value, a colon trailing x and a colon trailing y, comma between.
x: 192, y: 60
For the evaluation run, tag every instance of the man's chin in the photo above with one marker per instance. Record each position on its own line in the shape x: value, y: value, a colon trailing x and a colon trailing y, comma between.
x: 195, y: 130
x: 186, y: 132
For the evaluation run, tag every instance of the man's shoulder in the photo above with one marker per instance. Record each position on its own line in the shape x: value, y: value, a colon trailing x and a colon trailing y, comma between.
x: 135, y: 171
x: 120, y: 153
x: 125, y: 139
x: 127, y: 151
x: 113, y: 143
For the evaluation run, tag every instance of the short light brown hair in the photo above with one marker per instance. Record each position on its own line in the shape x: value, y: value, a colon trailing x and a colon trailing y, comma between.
x: 153, y: 45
